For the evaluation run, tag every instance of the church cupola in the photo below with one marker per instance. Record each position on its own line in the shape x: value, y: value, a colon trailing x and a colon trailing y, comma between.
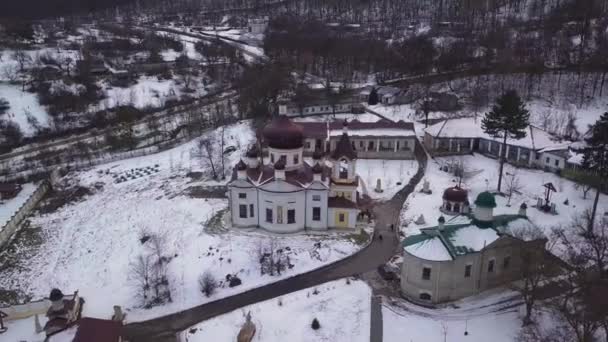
x: 317, y: 172
x: 241, y: 170
x: 283, y: 134
x: 253, y: 157
x: 484, y: 207
x: 523, y: 208
x: 279, y: 169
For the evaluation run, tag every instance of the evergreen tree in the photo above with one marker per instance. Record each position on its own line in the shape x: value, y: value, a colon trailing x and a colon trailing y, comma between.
x: 507, y: 119
x: 595, y: 159
x: 373, y: 97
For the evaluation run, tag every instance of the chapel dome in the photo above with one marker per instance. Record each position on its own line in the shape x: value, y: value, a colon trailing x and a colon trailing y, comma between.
x: 485, y: 200
x: 455, y: 194
x: 282, y: 133
x: 55, y: 295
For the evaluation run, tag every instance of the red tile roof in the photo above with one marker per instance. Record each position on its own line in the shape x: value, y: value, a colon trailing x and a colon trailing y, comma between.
x: 98, y: 330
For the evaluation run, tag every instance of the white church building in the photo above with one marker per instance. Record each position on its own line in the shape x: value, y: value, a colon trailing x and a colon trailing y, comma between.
x: 286, y: 194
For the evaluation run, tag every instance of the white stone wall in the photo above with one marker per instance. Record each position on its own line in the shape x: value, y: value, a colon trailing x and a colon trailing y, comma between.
x: 352, y: 218
x: 311, y: 203
x: 286, y: 201
x: 251, y: 197
x: 276, y: 154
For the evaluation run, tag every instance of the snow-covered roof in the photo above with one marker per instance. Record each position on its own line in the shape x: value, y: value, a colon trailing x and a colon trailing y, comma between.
x: 455, y: 240
x: 430, y: 249
x: 469, y: 127
x: 378, y: 132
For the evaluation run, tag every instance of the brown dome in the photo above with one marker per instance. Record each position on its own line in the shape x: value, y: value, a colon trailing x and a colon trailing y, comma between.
x: 241, y: 166
x: 280, y: 164
x: 282, y: 133
x: 455, y: 194
x: 317, y: 168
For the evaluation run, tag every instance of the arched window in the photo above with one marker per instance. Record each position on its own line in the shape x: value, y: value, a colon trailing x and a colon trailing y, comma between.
x: 456, y: 207
x: 448, y: 206
x: 343, y: 169
x: 425, y: 296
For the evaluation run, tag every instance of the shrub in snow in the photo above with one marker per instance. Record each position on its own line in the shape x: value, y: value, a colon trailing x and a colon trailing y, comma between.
x: 207, y: 283
x: 315, y: 324
x: 234, y: 281
x: 280, y: 302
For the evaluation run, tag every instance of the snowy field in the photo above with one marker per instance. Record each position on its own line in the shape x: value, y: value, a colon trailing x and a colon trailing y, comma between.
x: 483, y: 173
x: 487, y: 317
x: 9, y: 207
x: 23, y: 331
x: 147, y: 92
x: 92, y: 244
x: 23, y: 104
x: 393, y: 175
x: 343, y: 311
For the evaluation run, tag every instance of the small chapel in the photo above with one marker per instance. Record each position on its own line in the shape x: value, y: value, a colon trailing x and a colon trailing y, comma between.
x: 283, y: 193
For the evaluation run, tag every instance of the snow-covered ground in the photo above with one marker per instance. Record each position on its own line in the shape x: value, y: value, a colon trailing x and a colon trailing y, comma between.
x: 23, y: 330
x: 485, y: 318
x: 342, y: 309
x: 9, y: 207
x: 393, y: 175
x: 92, y: 244
x: 483, y: 173
x: 147, y: 92
x: 23, y: 104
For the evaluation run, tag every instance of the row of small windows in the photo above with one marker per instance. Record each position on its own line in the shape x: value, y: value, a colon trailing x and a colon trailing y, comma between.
x: 315, y: 198
x: 296, y: 158
x: 468, y: 269
x: 326, y: 108
x: 291, y: 213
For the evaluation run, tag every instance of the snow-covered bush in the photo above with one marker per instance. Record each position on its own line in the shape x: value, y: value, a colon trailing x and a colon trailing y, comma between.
x: 207, y: 283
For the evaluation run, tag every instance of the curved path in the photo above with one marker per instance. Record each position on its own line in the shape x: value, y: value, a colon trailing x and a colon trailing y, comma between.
x: 375, y: 254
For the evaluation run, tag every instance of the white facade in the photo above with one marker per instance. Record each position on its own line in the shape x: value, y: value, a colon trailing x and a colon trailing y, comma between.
x: 288, y: 195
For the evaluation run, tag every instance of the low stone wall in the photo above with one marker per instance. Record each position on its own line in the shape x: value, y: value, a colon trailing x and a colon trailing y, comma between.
x: 11, y: 226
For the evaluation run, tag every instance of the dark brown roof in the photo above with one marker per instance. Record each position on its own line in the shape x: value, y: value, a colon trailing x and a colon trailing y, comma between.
x: 265, y: 173
x: 318, y: 154
x: 282, y: 133
x: 9, y: 187
x: 97, y: 330
x: 455, y: 194
x: 316, y: 130
x: 340, y: 202
x: 344, y: 148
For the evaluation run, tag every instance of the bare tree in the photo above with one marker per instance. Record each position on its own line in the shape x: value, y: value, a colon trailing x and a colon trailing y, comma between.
x: 10, y: 72
x: 22, y: 58
x: 209, y: 154
x: 141, y: 275
x: 534, y: 269
x: 207, y: 283
x: 513, y: 186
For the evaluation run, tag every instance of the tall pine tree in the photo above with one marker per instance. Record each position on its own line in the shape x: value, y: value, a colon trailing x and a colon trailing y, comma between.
x: 508, y: 119
x: 595, y: 159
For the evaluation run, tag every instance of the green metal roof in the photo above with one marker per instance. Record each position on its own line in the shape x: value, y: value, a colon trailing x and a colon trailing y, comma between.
x: 498, y: 224
x: 485, y: 200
